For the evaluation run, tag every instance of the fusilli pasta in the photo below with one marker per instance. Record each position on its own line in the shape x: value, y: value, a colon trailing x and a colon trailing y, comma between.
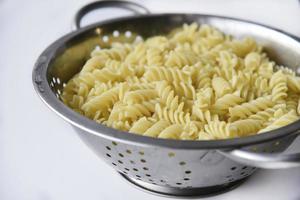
x: 196, y: 83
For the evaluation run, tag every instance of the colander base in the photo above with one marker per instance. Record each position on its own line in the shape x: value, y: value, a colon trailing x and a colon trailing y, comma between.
x: 169, y: 191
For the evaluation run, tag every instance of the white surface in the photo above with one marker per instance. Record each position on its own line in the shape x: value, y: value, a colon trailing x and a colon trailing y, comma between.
x: 41, y: 158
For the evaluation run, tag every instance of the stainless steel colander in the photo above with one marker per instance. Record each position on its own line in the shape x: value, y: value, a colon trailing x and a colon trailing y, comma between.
x: 162, y: 166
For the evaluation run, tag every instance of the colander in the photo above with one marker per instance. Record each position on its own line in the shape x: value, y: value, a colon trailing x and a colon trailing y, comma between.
x: 164, y: 166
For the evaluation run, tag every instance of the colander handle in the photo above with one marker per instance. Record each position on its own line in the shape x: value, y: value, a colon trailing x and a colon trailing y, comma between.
x: 134, y: 7
x: 263, y: 160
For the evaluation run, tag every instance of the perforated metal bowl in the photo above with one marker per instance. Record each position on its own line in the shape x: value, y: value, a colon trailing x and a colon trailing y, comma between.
x: 162, y: 166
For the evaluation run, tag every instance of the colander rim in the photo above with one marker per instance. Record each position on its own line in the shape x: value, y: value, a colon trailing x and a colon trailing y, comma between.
x: 41, y: 86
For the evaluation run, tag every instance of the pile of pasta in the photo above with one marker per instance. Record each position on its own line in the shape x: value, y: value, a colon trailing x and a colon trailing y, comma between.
x: 196, y: 83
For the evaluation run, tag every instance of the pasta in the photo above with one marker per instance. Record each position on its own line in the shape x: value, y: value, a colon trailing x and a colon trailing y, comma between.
x: 196, y: 83
x: 246, y: 109
x: 173, y: 116
x: 281, y: 121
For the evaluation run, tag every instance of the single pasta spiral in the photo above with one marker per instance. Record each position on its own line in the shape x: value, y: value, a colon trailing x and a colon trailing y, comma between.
x: 278, y: 83
x: 173, y: 116
x: 168, y: 74
x: 246, y: 109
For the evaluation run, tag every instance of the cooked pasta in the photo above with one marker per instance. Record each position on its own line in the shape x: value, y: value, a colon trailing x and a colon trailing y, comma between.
x: 196, y: 83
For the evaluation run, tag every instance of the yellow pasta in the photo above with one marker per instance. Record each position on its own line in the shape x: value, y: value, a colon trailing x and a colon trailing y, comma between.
x: 173, y: 116
x: 221, y: 86
x: 196, y: 83
x: 281, y: 121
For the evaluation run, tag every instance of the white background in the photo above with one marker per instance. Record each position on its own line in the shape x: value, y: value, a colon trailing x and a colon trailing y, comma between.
x: 40, y: 156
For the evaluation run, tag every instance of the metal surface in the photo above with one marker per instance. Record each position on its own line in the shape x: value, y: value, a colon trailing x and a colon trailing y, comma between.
x: 135, y: 8
x: 170, y: 169
x: 163, y: 162
x: 174, y: 192
x: 264, y: 160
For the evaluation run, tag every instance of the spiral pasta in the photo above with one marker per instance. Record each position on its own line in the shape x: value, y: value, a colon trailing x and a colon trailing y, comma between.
x: 246, y: 127
x: 281, y: 121
x: 222, y: 104
x: 102, y: 102
x: 204, y: 98
x: 180, y: 59
x: 246, y: 109
x: 160, y: 129
x: 167, y: 96
x: 183, y: 89
x: 221, y: 86
x: 196, y: 83
x: 168, y: 74
x: 278, y: 83
x: 173, y: 116
x: 154, y: 56
x: 220, y: 130
x: 265, y: 115
x: 138, y: 96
